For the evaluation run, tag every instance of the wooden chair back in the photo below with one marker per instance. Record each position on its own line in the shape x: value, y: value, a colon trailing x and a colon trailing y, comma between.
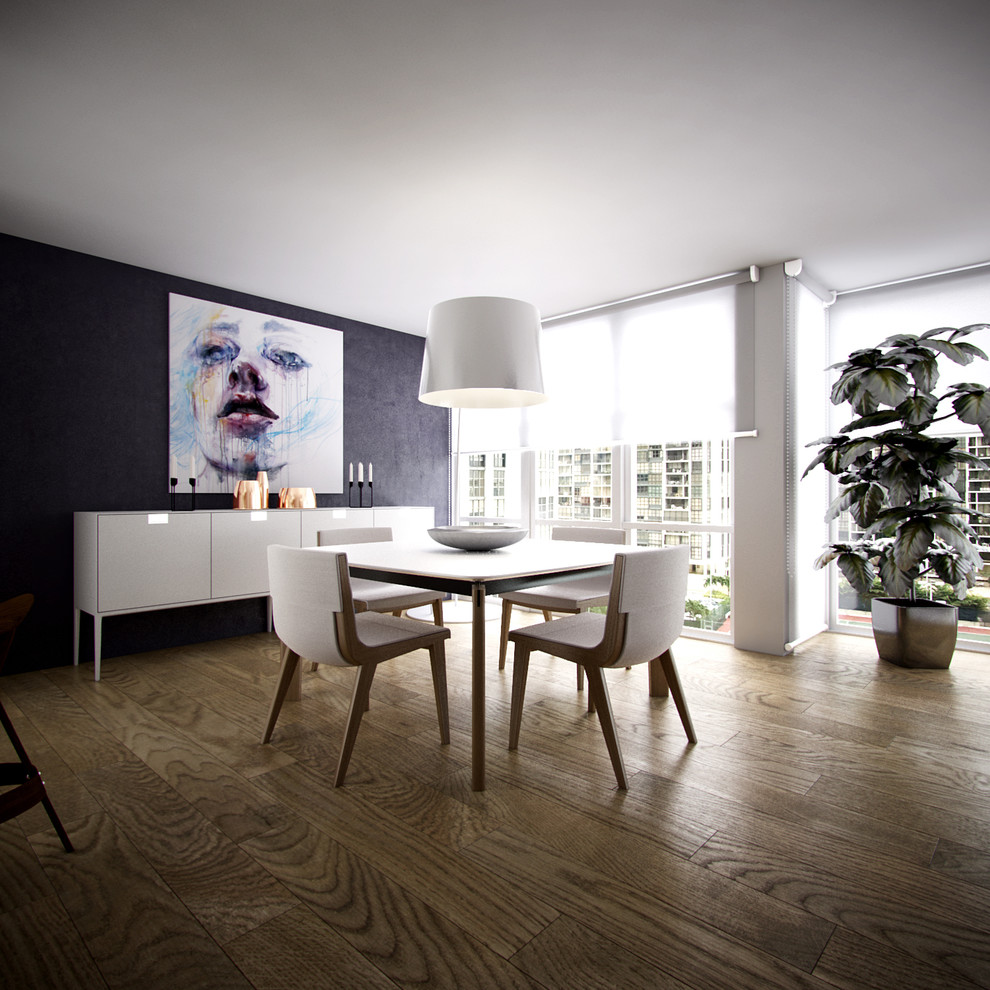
x: 646, y: 604
x: 312, y: 609
x: 354, y: 534
x: 589, y: 534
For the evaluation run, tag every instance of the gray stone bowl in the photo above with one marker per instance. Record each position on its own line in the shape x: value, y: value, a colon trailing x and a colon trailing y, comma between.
x: 477, y: 538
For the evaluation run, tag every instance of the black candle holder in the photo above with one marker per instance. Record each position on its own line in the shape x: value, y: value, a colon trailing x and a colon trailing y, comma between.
x: 360, y: 485
x: 192, y: 500
x: 172, y: 482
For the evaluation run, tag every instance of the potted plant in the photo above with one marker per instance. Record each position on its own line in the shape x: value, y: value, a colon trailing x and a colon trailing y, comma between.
x: 899, y: 484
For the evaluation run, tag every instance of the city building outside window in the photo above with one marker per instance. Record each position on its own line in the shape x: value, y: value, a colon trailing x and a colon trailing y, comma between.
x: 677, y: 492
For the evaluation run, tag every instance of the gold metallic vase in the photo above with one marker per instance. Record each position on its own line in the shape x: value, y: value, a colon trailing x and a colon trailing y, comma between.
x: 247, y: 495
x: 297, y: 498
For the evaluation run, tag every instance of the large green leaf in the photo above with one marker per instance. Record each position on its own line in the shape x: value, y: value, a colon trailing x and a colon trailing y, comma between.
x: 850, y: 388
x: 959, y: 353
x: 953, y: 531
x: 880, y: 418
x: 900, y: 340
x: 855, y: 449
x: 924, y: 371
x: 918, y: 410
x: 972, y: 350
x: 858, y: 571
x: 973, y: 407
x: 896, y: 582
x: 901, y: 478
x: 843, y: 500
x: 867, y: 505
x: 955, y: 571
x: 911, y: 544
x: 886, y: 386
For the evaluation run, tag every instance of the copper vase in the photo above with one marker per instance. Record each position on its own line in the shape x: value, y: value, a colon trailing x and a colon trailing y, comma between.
x: 247, y: 495
x: 297, y: 498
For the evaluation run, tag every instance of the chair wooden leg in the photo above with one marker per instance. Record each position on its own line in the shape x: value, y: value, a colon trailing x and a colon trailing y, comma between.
x: 359, y: 705
x: 56, y: 822
x: 580, y: 684
x: 31, y: 788
x: 596, y: 684
x: 438, y: 664
x: 677, y: 693
x: 503, y: 643
x: 289, y: 662
x: 520, y: 668
x: 438, y: 612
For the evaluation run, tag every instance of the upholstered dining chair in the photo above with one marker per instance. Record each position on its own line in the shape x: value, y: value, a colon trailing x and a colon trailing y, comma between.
x: 644, y: 618
x: 26, y: 787
x: 314, y: 618
x: 380, y: 596
x: 568, y: 597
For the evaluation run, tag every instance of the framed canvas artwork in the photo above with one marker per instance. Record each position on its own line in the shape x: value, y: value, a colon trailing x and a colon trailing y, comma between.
x: 250, y: 392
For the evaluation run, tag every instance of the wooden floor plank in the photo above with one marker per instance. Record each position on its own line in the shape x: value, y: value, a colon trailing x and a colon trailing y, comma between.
x: 570, y: 956
x: 43, y: 951
x: 963, y: 862
x: 224, y: 889
x: 488, y: 908
x: 676, y: 944
x: 298, y: 949
x: 851, y: 962
x: 22, y: 880
x: 685, y: 888
x: 138, y: 932
x: 902, y: 911
x: 829, y: 830
x: 394, y: 930
x: 218, y: 792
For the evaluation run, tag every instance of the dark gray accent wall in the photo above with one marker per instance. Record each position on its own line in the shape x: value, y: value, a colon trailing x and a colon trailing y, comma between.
x: 85, y: 427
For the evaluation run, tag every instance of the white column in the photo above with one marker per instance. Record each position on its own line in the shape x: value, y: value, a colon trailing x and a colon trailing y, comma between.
x: 760, y: 587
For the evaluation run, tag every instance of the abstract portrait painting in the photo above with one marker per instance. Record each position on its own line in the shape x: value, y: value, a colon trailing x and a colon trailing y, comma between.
x: 250, y: 392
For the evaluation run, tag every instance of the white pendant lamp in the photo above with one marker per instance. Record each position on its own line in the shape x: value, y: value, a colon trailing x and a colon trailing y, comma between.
x: 482, y: 352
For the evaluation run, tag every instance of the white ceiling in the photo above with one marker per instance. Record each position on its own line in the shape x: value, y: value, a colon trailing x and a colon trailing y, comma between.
x: 371, y: 157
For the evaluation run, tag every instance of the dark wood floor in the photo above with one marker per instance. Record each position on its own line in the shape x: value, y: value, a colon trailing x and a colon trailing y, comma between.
x: 830, y: 829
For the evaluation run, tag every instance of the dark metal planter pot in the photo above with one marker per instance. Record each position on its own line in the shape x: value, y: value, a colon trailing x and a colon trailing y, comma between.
x: 915, y: 634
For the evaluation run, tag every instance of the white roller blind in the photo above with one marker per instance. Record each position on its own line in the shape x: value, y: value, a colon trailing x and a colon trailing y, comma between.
x: 677, y: 369
x: 808, y: 498
x: 645, y: 372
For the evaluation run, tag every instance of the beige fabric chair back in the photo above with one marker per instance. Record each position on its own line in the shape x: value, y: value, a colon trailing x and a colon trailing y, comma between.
x: 646, y: 608
x: 582, y: 534
x: 307, y: 591
x: 357, y: 534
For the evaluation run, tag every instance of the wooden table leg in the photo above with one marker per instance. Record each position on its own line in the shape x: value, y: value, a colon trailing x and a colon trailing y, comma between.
x: 478, y: 687
x: 658, y: 682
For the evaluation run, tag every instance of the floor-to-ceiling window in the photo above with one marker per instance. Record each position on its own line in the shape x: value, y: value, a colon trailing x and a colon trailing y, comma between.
x: 864, y: 318
x: 660, y: 494
x: 683, y: 495
x: 636, y: 435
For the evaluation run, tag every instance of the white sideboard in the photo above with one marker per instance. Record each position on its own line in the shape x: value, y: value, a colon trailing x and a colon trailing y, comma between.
x: 143, y: 561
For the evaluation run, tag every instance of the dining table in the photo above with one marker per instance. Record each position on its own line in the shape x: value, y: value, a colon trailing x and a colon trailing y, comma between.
x: 477, y: 574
